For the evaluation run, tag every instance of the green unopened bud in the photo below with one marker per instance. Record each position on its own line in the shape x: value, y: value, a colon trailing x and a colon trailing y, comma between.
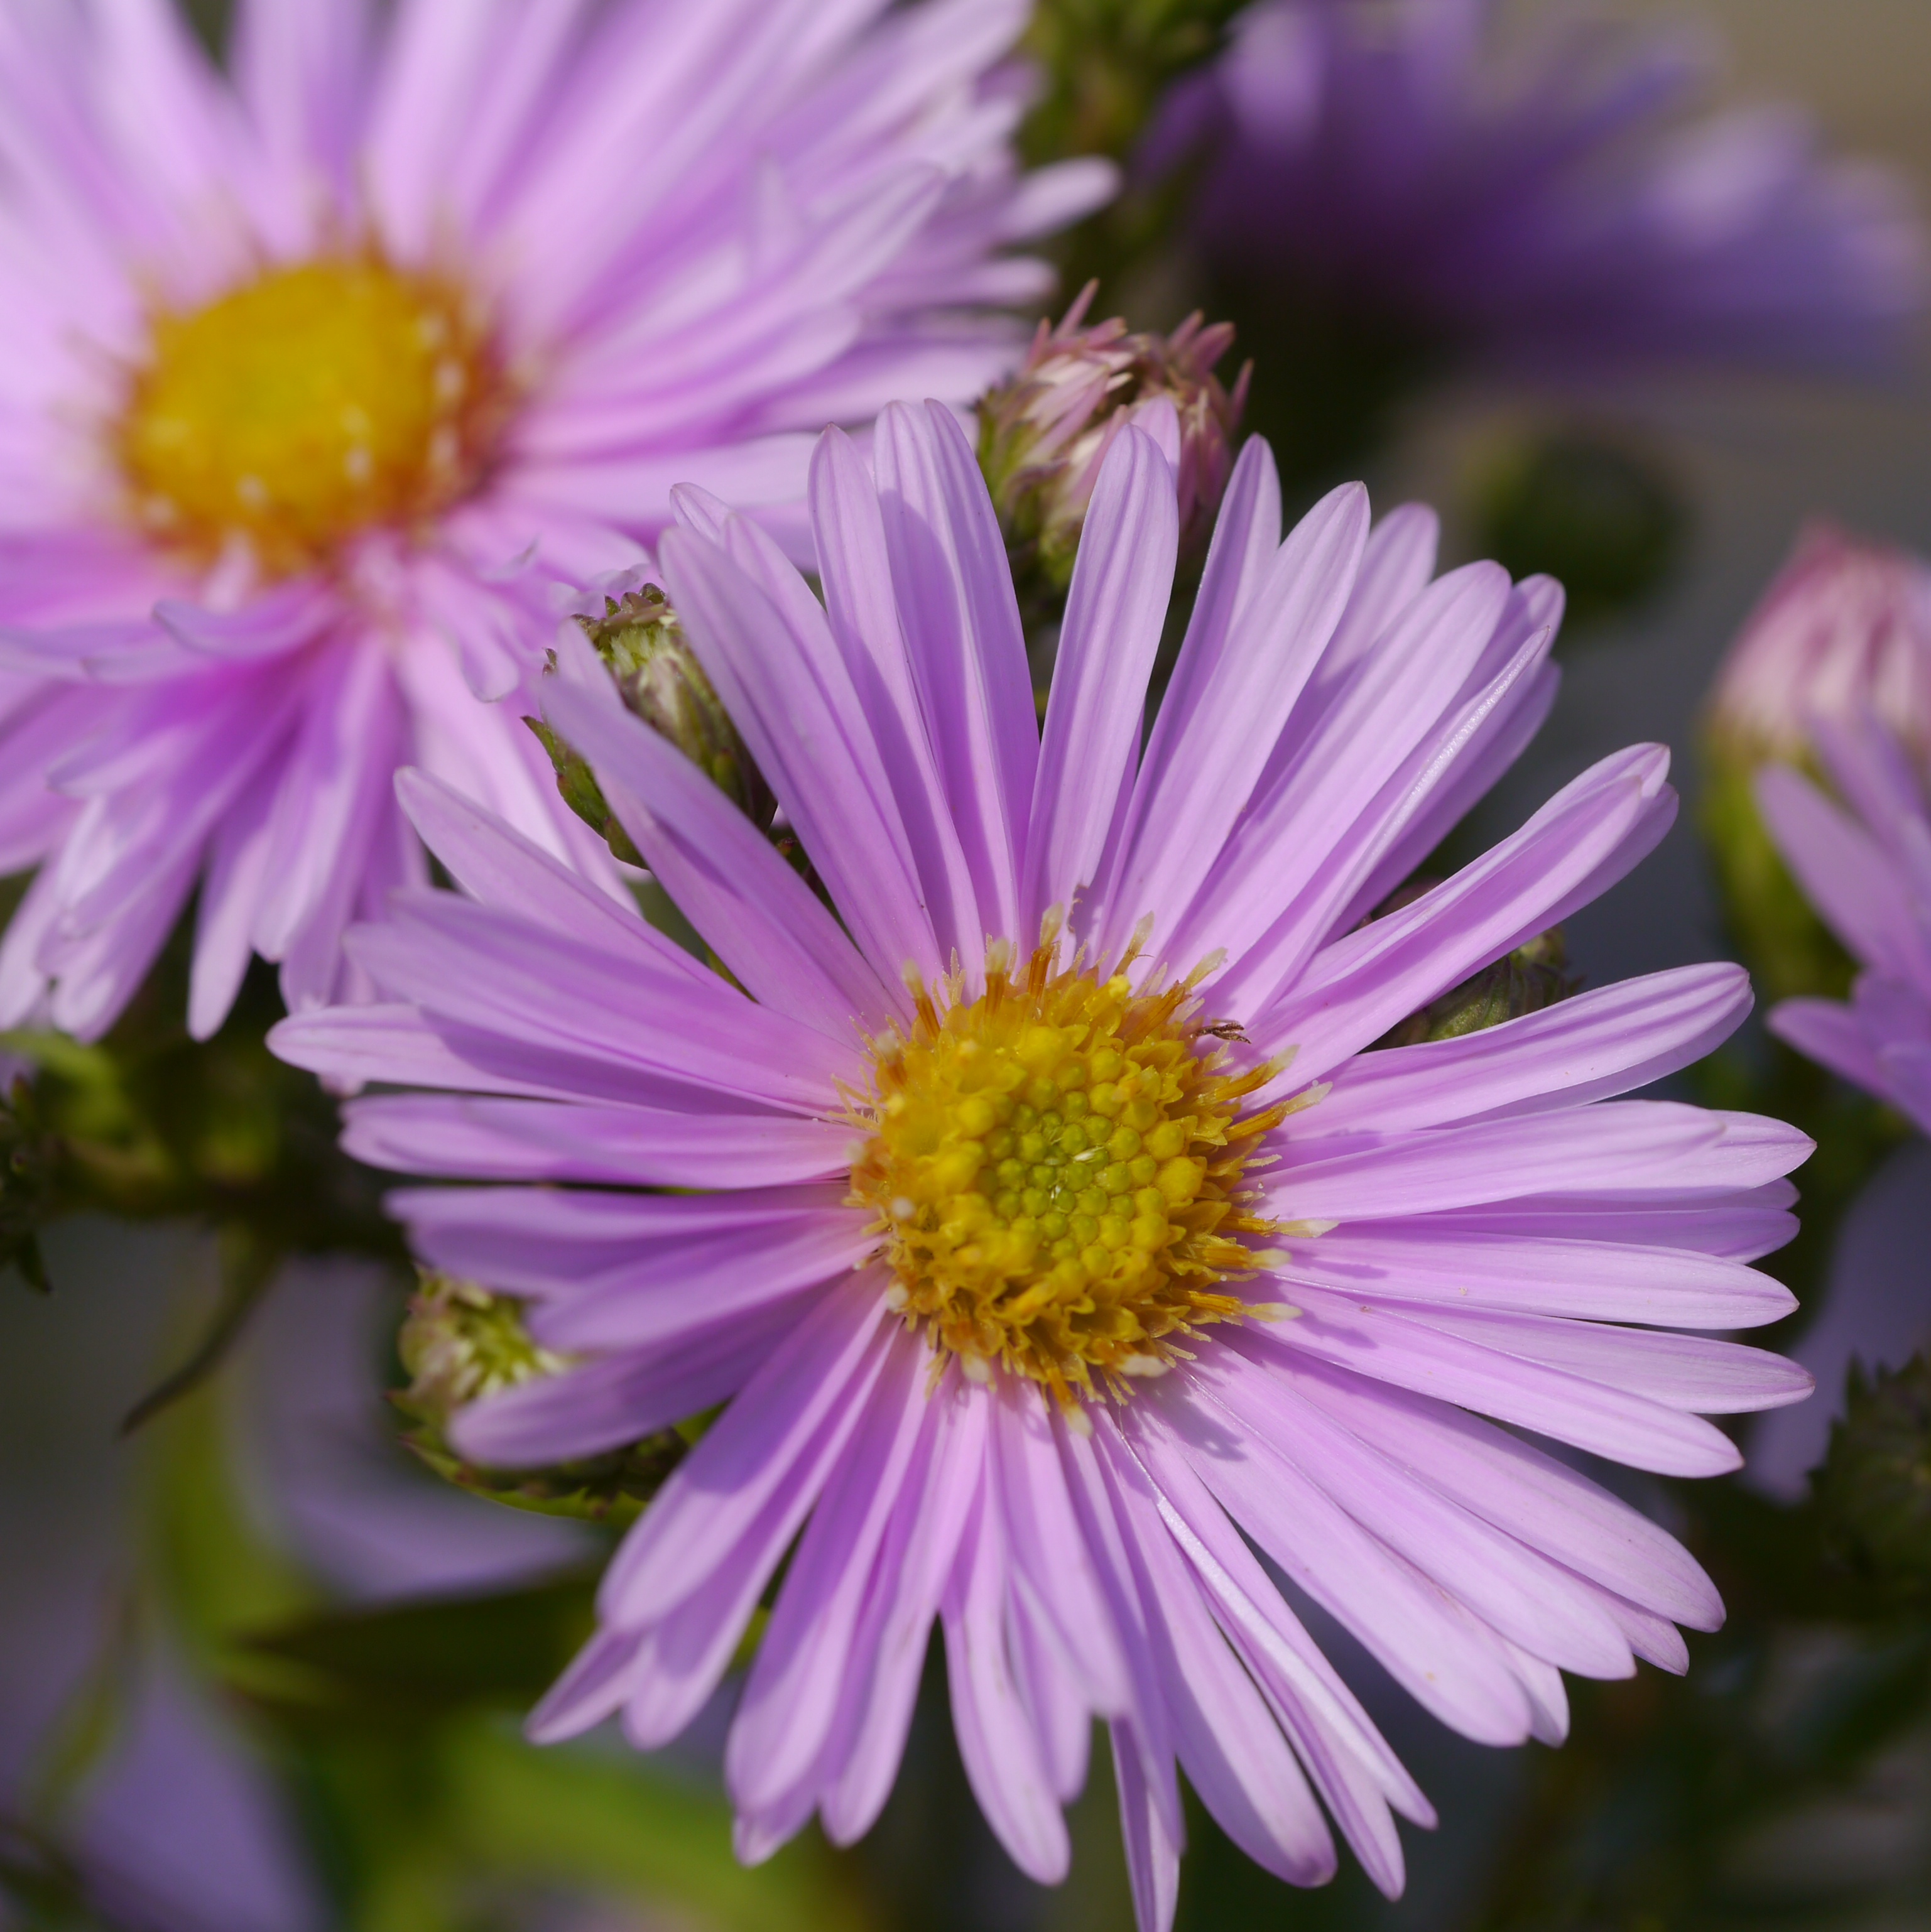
x: 1875, y: 1487
x: 1525, y: 981
x: 660, y: 680
x: 1043, y: 435
x: 459, y: 1343
x: 658, y: 677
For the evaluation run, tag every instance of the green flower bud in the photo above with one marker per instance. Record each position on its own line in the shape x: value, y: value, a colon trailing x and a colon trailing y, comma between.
x: 1525, y: 981
x: 1043, y: 435
x: 1875, y: 1487
x: 660, y: 680
x: 458, y: 1343
x: 658, y: 677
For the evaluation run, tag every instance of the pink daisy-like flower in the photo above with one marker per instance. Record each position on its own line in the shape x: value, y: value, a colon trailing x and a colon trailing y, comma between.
x: 1865, y: 865
x: 312, y: 383
x: 1060, y: 1254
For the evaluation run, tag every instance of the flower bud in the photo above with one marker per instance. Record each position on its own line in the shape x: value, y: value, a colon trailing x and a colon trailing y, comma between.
x: 658, y: 677
x: 1842, y: 634
x: 1525, y: 981
x: 1043, y: 435
x: 459, y: 1343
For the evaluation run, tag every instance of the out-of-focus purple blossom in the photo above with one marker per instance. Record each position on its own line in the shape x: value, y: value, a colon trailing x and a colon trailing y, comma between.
x: 1043, y: 435
x: 1866, y: 865
x: 1843, y: 633
x: 1550, y: 206
x: 316, y: 376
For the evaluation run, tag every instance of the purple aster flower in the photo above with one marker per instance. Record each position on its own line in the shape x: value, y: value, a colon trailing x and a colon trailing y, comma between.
x: 1060, y: 1254
x: 1865, y: 864
x: 1547, y: 205
x: 313, y: 381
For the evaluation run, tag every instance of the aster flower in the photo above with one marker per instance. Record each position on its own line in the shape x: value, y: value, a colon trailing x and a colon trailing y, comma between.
x: 1544, y: 206
x: 1865, y: 864
x: 314, y: 382
x: 1044, y: 1225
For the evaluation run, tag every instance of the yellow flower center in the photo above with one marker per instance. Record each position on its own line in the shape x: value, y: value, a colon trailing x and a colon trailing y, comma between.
x: 301, y: 409
x: 1056, y: 1167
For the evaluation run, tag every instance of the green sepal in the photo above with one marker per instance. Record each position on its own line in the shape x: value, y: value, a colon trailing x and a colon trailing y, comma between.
x: 577, y: 785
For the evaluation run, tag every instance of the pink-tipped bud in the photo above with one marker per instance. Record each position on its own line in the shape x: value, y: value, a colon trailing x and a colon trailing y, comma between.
x: 1043, y: 435
x: 1843, y: 633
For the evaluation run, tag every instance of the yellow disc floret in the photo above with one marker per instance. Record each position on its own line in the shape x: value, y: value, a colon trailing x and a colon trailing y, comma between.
x: 1056, y: 1167
x: 305, y: 407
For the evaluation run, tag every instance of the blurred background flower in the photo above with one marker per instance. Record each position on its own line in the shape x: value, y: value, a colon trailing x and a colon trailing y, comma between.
x: 321, y: 371
x: 1385, y: 190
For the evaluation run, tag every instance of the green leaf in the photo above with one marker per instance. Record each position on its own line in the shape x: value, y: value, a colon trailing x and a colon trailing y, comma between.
x: 593, y: 1818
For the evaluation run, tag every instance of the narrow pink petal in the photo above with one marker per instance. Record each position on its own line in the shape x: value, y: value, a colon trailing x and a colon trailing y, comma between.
x: 498, y: 864
x: 1434, y: 1258
x: 856, y: 569
x: 1153, y: 1843
x: 1221, y: 746
x: 620, y: 1399
x: 792, y: 698
x: 478, y: 1139
x: 1570, y: 1408
x: 762, y: 920
x: 1229, y: 1744
x: 1606, y: 1041
x: 961, y: 623
x: 784, y: 1435
x: 1115, y: 612
x: 1002, y: 1756
x: 790, y: 1700
x: 1590, y: 834
x: 1247, y: 534
x: 913, y: 1568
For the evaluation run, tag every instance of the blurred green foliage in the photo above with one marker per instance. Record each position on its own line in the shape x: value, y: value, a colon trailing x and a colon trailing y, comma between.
x: 149, y: 1124
x: 1103, y: 65
x: 1588, y: 508
x: 392, y: 1733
